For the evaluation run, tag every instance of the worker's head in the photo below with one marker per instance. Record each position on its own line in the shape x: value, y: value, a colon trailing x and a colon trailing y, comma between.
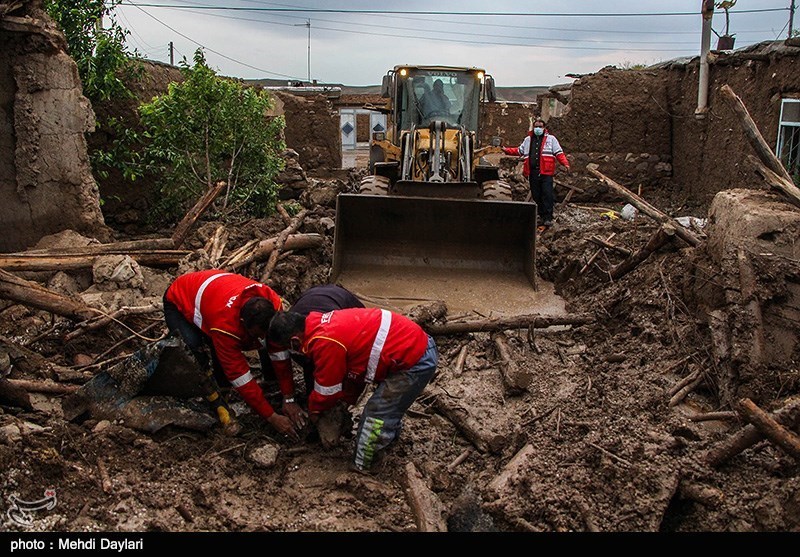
x: 538, y: 126
x: 256, y: 313
x: 287, y: 329
x: 438, y: 86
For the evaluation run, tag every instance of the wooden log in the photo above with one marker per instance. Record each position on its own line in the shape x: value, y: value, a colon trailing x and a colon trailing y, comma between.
x: 506, y: 323
x: 788, y: 416
x: 485, y: 442
x: 70, y: 262
x: 515, y: 378
x: 34, y: 295
x: 425, y: 504
x: 775, y: 181
x: 701, y: 493
x: 662, y: 237
x: 683, y: 392
x: 239, y: 254
x: 465, y: 454
x: 597, y: 240
x: 287, y: 218
x: 428, y: 312
x: 511, y: 470
x: 770, y: 428
x: 104, y: 320
x: 293, y: 242
x: 754, y: 137
x: 596, y: 255
x: 102, y: 473
x: 216, y: 245
x: 14, y: 395
x: 713, y: 416
x: 47, y: 387
x: 28, y: 361
x: 656, y: 214
x: 202, y: 205
x: 150, y: 244
x: 461, y: 359
x: 280, y: 242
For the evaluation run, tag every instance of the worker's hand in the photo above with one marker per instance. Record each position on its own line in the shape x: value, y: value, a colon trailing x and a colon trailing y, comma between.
x: 283, y: 425
x: 530, y: 123
x: 296, y: 414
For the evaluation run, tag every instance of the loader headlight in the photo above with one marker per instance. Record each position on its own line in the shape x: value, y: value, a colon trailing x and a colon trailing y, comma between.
x: 403, y: 72
x: 479, y: 75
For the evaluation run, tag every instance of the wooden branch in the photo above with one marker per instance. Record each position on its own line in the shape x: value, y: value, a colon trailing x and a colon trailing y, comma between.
x: 202, y: 205
x: 777, y: 182
x: 609, y: 454
x: 662, y: 237
x: 465, y: 454
x: 280, y: 242
x: 47, y: 387
x: 771, y: 429
x: 682, y: 393
x: 754, y: 137
x: 512, y: 469
x: 239, y: 254
x: 656, y: 214
x: 293, y: 242
x: 515, y: 378
x: 469, y: 426
x: 506, y: 323
x: 114, y: 248
x: 701, y: 493
x: 788, y: 416
x: 105, y: 480
x: 104, y: 320
x: 427, y: 312
x: 216, y: 244
x: 28, y: 361
x: 597, y: 240
x: 461, y: 359
x: 68, y: 262
x: 713, y: 416
x: 14, y: 395
x: 425, y: 504
x: 596, y: 254
x: 287, y: 218
x: 34, y: 295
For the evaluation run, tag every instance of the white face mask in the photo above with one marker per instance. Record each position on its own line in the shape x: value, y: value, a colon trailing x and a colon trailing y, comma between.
x: 538, y: 131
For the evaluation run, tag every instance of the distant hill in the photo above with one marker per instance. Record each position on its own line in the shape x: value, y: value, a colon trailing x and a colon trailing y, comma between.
x: 512, y: 94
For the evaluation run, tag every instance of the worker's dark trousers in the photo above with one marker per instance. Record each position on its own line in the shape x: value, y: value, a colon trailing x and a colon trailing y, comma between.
x: 543, y: 195
x: 382, y: 417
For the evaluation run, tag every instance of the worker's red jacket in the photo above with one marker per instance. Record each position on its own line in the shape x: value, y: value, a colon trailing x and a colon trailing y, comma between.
x: 550, y: 151
x: 212, y: 300
x: 352, y: 347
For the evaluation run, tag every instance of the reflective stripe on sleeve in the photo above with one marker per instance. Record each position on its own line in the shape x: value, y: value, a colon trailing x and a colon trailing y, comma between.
x: 198, y: 317
x: 242, y: 380
x: 327, y: 391
x: 377, y: 345
x: 278, y: 356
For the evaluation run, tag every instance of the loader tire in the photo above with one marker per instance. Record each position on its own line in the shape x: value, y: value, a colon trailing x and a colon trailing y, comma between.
x: 497, y: 190
x: 374, y: 185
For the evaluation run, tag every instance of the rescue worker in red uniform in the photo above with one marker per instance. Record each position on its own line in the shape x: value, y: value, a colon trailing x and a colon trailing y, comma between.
x: 540, y: 168
x: 229, y: 314
x: 353, y: 347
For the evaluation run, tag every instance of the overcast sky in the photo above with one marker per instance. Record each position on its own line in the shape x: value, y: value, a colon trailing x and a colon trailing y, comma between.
x: 358, y: 49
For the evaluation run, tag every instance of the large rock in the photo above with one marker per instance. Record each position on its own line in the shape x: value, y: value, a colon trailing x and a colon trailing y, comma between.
x: 114, y: 272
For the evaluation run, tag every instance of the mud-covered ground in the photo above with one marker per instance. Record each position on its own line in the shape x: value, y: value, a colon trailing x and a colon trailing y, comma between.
x: 600, y: 447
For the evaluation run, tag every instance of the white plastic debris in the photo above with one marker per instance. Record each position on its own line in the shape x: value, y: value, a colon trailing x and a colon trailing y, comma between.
x: 629, y: 212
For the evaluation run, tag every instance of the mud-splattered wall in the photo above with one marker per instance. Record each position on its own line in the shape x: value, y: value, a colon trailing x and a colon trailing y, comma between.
x: 46, y: 184
x: 312, y: 129
x: 639, y: 125
x: 508, y: 121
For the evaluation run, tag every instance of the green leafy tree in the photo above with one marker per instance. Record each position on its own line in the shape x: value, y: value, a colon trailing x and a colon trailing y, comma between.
x: 208, y: 129
x: 99, y: 51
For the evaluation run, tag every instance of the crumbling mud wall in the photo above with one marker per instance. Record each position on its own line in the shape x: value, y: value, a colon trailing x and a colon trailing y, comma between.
x: 46, y: 182
x: 746, y: 285
x: 508, y: 121
x: 640, y: 125
x: 312, y: 129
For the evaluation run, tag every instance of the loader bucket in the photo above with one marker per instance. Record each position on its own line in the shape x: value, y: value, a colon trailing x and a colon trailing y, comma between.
x: 468, y: 253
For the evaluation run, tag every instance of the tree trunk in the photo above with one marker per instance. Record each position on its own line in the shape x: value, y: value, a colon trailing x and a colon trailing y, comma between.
x: 424, y: 503
x: 506, y: 323
x: 771, y: 429
x: 68, y: 262
x: 202, y: 205
x: 780, y: 183
x: 34, y: 295
x: 469, y: 426
x: 662, y: 236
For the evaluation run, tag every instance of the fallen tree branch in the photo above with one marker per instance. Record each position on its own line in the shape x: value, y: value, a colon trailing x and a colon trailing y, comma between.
x: 47, y: 387
x: 425, y: 504
x: 777, y: 182
x: 28, y: 361
x: 506, y: 323
x: 280, y: 242
x: 114, y: 248
x: 515, y: 378
x: 70, y: 262
x: 293, y: 242
x: 35, y: 295
x: 771, y: 429
x: 202, y: 205
x: 656, y: 214
x: 469, y: 426
x: 596, y: 255
x: 460, y: 459
x: 662, y: 237
x: 788, y: 416
x: 104, y: 320
x: 461, y: 359
x: 714, y: 416
x: 597, y: 240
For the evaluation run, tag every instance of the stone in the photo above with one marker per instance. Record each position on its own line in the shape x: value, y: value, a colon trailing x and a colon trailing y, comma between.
x: 63, y: 283
x: 264, y: 456
x: 10, y: 434
x: 82, y: 360
x: 28, y: 428
x: 664, y: 167
x: 112, y: 272
x: 328, y: 223
x: 101, y: 425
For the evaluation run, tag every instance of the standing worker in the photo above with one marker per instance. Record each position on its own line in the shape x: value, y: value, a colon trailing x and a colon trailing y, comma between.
x: 353, y: 347
x: 540, y: 169
x: 228, y: 314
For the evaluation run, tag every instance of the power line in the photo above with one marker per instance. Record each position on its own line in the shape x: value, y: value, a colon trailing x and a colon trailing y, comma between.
x: 421, y: 12
x: 211, y: 49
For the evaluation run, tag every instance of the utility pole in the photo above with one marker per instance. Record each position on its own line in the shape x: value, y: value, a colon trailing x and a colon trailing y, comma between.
x: 792, y: 8
x: 707, y: 12
x: 307, y: 24
x: 171, y: 54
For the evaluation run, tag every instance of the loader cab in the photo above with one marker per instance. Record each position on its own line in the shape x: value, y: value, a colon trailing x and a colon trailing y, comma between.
x: 453, y: 95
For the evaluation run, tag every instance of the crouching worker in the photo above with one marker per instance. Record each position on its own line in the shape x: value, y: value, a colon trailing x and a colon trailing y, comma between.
x: 219, y: 315
x: 352, y: 347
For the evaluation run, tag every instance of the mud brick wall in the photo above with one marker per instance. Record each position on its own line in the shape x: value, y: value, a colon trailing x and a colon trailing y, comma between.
x: 312, y: 129
x: 46, y: 183
x: 506, y: 120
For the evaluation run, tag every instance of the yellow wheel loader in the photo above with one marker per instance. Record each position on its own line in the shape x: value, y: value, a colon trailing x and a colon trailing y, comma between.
x: 433, y: 220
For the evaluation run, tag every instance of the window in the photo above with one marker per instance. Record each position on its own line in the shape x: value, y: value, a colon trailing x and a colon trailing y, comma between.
x: 788, y: 150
